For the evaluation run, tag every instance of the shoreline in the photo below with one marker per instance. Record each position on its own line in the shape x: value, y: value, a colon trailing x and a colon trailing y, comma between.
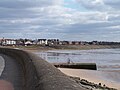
x: 71, y: 47
x: 96, y: 77
x: 35, y: 48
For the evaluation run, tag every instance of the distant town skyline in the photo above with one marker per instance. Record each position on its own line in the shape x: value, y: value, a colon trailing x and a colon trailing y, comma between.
x: 79, y: 20
x: 51, y: 42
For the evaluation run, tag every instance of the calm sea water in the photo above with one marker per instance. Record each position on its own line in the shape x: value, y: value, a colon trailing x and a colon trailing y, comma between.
x: 106, y: 59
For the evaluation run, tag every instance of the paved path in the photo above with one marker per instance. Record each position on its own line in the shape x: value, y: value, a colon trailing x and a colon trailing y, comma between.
x: 1, y: 64
x: 12, y: 73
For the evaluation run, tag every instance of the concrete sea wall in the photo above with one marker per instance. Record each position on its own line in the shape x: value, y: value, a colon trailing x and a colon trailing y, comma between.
x: 88, y: 66
x: 39, y: 74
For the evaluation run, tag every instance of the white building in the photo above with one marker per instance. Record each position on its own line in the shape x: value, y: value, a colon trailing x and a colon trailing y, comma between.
x: 8, y: 42
x: 28, y: 43
x: 42, y: 42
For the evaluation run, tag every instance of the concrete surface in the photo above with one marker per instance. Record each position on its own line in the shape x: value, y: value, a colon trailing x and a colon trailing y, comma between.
x: 2, y: 63
x: 12, y: 73
x: 27, y: 71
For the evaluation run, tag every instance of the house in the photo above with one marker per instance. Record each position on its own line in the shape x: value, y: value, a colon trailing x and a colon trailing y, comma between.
x: 64, y: 42
x: 20, y: 42
x: 42, y: 42
x: 53, y: 41
x: 8, y: 42
x: 48, y: 42
x: 75, y: 43
x: 83, y: 43
x: 27, y: 43
x: 1, y: 40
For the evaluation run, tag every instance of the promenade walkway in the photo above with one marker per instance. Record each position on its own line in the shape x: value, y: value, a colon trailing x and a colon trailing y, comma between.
x: 1, y: 64
x: 12, y: 76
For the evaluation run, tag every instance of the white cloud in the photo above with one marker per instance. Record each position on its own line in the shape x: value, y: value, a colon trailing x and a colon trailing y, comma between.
x: 93, y: 4
x: 49, y: 18
x: 21, y: 4
x: 112, y: 3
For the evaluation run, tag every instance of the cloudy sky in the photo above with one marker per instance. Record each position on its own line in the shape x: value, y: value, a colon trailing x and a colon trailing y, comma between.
x: 64, y: 19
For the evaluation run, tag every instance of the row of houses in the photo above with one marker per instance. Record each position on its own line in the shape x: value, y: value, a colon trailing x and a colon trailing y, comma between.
x: 26, y: 42
x: 89, y: 43
x: 4, y: 42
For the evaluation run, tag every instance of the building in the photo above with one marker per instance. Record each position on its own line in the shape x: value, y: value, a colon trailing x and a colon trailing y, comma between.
x: 64, y: 42
x: 42, y: 42
x: 8, y: 42
x: 27, y: 43
x: 47, y: 42
x: 1, y: 40
x: 53, y: 42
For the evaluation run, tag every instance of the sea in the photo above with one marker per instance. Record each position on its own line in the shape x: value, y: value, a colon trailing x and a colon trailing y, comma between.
x: 105, y: 59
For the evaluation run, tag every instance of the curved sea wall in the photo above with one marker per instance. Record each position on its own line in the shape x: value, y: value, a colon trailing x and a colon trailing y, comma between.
x: 39, y: 74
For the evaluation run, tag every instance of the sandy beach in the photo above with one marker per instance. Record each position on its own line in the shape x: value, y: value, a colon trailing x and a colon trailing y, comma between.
x: 109, y: 78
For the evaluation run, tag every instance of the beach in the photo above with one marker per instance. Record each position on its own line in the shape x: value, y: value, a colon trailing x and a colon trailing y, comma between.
x: 103, y: 77
x: 37, y: 48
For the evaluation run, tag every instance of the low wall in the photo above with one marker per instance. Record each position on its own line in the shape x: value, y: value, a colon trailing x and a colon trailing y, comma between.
x: 88, y: 66
x: 39, y: 74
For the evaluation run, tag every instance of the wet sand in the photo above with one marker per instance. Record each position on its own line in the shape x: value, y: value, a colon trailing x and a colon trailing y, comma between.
x: 109, y: 78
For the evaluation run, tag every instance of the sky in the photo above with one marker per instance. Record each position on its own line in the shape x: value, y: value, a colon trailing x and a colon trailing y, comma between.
x: 80, y: 20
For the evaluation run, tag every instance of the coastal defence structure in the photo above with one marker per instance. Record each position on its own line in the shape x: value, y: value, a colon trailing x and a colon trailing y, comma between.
x: 88, y: 66
x: 38, y: 74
